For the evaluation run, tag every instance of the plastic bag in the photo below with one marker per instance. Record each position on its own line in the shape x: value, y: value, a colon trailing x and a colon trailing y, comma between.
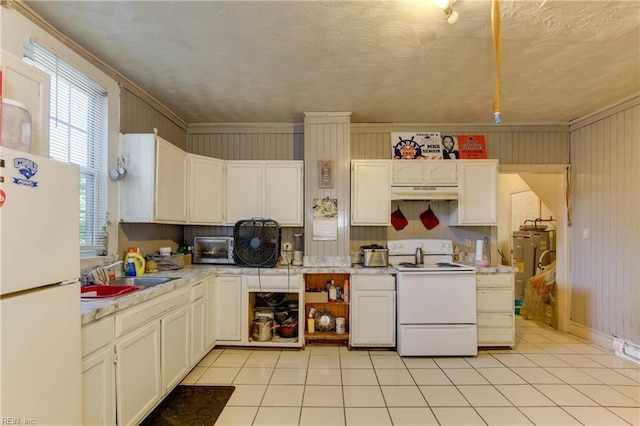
x: 539, y: 302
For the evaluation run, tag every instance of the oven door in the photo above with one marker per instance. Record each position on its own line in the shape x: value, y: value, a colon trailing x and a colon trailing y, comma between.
x: 436, y: 297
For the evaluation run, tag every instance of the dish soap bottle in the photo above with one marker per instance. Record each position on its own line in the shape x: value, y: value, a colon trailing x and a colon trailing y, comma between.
x: 130, y: 267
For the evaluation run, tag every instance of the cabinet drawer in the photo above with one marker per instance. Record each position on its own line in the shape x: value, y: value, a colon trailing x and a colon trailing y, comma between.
x: 197, y: 292
x: 140, y: 315
x: 494, y: 280
x: 274, y: 282
x: 495, y: 337
x: 494, y: 300
x: 495, y: 320
x: 96, y: 335
x: 373, y: 282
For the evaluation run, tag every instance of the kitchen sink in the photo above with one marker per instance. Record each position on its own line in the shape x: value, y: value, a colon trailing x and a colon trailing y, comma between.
x: 141, y: 282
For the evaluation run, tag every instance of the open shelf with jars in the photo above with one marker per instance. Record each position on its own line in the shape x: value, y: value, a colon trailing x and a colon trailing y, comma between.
x: 330, y: 307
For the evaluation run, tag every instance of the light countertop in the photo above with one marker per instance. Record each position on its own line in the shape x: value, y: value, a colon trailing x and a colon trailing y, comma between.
x: 95, y: 309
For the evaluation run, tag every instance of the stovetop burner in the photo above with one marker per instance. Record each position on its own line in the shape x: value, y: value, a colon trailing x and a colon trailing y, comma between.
x: 437, y: 265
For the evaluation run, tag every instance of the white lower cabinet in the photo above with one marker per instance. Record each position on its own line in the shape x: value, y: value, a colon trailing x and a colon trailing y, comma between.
x: 198, y: 326
x: 228, y: 308
x: 138, y: 373
x: 210, y: 313
x: 152, y: 353
x: 175, y: 347
x: 98, y: 373
x: 496, y: 318
x: 373, y: 310
x: 99, y: 388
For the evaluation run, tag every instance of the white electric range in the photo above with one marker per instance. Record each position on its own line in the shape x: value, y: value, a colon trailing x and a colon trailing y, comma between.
x: 436, y: 301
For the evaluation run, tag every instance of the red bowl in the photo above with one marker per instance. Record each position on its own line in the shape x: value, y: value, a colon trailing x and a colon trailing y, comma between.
x: 288, y: 330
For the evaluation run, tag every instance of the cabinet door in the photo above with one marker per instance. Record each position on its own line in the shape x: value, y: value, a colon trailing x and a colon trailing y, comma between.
x: 175, y: 347
x: 373, y: 318
x: 99, y: 389
x: 371, y: 192
x: 171, y: 182
x: 138, y: 373
x: 198, y: 344
x: 206, y: 190
x: 30, y: 86
x: 408, y: 172
x: 443, y: 172
x: 283, y: 192
x: 478, y: 192
x: 210, y: 312
x: 244, y: 191
x: 228, y: 308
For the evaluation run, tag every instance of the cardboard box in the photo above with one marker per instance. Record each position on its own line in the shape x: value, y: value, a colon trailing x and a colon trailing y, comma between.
x: 316, y: 297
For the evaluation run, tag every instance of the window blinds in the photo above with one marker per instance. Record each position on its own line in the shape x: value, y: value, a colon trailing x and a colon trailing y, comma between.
x: 78, y: 135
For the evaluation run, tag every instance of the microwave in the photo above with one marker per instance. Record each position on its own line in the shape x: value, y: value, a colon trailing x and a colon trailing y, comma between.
x: 213, y: 250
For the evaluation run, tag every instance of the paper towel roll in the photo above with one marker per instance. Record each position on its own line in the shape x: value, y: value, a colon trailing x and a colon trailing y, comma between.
x: 479, y: 249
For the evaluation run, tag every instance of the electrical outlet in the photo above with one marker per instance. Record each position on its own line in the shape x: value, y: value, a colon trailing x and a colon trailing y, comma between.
x: 469, y: 243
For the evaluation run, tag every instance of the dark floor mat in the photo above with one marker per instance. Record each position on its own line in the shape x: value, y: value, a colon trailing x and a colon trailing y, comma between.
x: 190, y: 406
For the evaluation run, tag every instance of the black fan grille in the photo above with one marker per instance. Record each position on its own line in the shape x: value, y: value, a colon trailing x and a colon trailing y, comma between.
x: 256, y: 242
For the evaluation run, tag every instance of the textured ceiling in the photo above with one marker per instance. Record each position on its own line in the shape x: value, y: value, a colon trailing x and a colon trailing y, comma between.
x: 386, y: 61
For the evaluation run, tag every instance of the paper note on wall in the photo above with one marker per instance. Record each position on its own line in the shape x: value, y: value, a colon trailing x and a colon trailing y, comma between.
x: 325, y: 219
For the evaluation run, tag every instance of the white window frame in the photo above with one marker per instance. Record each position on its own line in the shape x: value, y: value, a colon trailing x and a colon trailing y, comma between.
x: 91, y: 148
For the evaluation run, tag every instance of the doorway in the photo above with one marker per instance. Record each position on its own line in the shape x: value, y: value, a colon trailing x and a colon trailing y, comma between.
x: 548, y: 184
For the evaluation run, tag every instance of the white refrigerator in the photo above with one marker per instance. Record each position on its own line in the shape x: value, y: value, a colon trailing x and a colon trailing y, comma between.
x: 40, y: 379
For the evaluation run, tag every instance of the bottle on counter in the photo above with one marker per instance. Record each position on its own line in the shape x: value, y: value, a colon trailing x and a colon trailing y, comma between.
x: 333, y: 293
x: 345, y: 291
x: 130, y: 267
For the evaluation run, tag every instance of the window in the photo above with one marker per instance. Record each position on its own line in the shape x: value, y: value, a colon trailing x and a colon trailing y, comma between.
x: 78, y: 135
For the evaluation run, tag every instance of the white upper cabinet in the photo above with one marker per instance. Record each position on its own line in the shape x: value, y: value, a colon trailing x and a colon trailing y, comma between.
x: 171, y: 183
x: 30, y: 86
x: 265, y: 189
x: 371, y: 192
x: 245, y: 183
x: 155, y: 187
x: 421, y: 172
x: 206, y: 190
x: 284, y: 192
x: 443, y: 172
x: 478, y: 194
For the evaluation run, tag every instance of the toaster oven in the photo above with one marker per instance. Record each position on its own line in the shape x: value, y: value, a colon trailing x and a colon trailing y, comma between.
x: 213, y: 250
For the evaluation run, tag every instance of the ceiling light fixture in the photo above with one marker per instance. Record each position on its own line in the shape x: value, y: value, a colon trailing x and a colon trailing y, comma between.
x: 447, y: 6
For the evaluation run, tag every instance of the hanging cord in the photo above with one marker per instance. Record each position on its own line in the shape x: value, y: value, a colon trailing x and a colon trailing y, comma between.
x: 495, y: 21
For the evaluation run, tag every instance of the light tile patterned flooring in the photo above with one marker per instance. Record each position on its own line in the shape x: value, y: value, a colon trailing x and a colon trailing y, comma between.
x: 549, y: 378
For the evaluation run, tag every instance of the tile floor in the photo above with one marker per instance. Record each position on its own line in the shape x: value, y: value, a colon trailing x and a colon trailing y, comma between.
x: 549, y: 378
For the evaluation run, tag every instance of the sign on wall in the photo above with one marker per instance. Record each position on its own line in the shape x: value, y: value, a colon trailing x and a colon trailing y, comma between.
x: 416, y: 146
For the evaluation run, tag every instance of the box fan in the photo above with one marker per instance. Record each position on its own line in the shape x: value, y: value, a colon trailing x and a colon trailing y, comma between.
x: 257, y: 242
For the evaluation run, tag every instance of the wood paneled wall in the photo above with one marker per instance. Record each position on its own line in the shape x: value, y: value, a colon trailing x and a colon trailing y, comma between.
x: 605, y: 267
x: 138, y: 116
x: 247, y: 142
x: 507, y: 144
x: 326, y: 137
x: 510, y: 144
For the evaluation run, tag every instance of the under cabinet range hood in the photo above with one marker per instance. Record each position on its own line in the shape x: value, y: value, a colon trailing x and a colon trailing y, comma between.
x: 424, y: 192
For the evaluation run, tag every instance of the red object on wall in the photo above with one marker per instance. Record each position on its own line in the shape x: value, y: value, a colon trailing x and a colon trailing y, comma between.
x: 398, y: 221
x: 429, y: 219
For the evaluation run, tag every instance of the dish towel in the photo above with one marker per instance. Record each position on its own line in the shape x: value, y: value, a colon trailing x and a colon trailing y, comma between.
x: 398, y: 221
x: 429, y: 219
